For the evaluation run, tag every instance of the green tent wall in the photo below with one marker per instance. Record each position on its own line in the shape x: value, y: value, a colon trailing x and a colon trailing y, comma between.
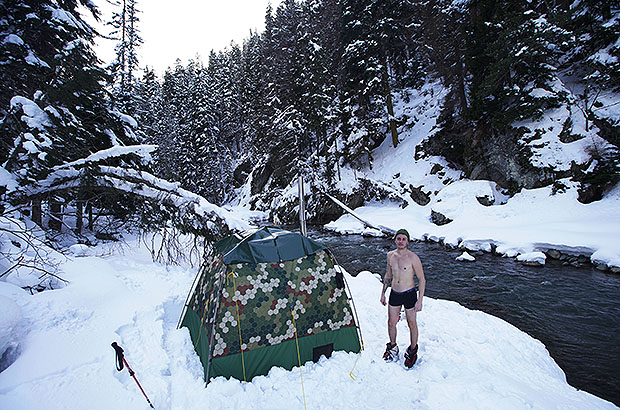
x: 240, y: 311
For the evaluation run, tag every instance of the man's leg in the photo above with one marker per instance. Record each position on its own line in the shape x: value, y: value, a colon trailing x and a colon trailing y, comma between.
x: 393, y: 314
x: 411, y: 354
x: 391, y: 350
x: 413, y: 326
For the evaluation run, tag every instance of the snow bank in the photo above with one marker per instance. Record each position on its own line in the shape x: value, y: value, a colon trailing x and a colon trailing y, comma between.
x: 12, y: 326
x: 533, y: 220
x: 467, y: 359
x: 9, y: 324
x: 484, y: 218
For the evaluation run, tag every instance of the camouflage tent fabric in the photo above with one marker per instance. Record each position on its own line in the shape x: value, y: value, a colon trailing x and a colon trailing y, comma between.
x: 244, y: 317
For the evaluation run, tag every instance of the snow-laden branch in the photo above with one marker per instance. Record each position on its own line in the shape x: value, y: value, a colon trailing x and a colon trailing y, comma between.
x: 142, y: 151
x: 191, y: 205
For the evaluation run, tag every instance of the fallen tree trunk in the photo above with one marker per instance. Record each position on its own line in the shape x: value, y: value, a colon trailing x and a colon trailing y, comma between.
x: 203, y: 217
x: 381, y: 228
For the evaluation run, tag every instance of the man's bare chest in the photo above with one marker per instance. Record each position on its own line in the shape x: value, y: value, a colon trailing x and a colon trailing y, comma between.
x: 402, y: 265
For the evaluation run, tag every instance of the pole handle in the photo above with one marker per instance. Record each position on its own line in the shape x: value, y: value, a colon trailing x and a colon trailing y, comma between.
x: 120, y: 357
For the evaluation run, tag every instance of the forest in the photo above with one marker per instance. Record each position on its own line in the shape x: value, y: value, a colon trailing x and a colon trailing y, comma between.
x: 321, y: 87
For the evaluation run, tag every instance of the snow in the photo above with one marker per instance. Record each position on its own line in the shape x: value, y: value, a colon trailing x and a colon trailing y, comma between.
x: 33, y: 116
x: 10, y: 323
x: 7, y: 180
x: 127, y: 119
x: 548, y: 150
x: 32, y: 59
x: 533, y: 258
x: 13, y: 39
x: 394, y: 167
x: 80, y: 249
x: 144, y: 151
x: 465, y: 257
x: 610, y: 108
x: 532, y: 220
x: 543, y: 134
x: 467, y: 359
x: 67, y: 18
x: 607, y: 256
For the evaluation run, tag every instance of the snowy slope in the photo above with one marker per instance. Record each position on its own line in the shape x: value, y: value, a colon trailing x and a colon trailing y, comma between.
x: 468, y: 359
x: 532, y: 220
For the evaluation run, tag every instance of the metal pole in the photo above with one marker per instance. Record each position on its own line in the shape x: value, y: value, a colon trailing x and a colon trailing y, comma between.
x: 302, y: 206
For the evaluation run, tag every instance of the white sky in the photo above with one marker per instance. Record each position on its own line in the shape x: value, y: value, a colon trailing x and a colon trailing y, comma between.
x: 184, y: 28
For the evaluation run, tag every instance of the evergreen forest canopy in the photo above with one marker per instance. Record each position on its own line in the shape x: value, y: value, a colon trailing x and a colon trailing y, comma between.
x: 315, y: 91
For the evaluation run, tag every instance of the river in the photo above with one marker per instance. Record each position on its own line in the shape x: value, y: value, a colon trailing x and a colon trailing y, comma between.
x: 575, y: 312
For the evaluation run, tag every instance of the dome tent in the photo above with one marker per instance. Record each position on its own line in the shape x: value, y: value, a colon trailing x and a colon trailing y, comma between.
x: 240, y: 310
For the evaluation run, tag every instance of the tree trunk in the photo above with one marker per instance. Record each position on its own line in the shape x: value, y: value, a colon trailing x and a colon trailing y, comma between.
x: 79, y: 214
x: 337, y: 157
x: 89, y: 211
x: 55, y: 222
x: 606, y: 11
x: 390, y: 106
x: 461, y: 83
x: 36, y: 212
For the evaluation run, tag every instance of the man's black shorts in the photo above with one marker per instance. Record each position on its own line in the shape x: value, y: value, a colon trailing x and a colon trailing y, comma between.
x: 407, y: 298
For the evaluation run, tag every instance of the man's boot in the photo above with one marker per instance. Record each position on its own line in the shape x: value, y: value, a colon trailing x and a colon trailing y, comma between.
x: 411, y: 355
x: 391, y: 352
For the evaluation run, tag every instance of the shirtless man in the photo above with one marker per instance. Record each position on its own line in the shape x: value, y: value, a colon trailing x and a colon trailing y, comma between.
x: 402, y: 266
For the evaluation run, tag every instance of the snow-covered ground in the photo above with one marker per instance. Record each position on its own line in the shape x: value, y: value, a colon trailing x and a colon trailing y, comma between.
x: 63, y: 359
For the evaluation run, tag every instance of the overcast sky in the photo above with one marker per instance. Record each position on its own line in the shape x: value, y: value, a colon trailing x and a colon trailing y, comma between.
x: 184, y: 28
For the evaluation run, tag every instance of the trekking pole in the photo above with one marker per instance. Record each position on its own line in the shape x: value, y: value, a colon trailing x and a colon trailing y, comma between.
x: 120, y: 361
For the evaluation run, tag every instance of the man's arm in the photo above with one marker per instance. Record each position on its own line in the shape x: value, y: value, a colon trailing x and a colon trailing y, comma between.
x: 387, y: 279
x: 419, y: 272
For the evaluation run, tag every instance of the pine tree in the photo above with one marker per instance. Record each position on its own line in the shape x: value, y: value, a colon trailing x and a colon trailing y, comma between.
x: 53, y: 105
x: 365, y: 72
x: 597, y: 30
x: 512, y: 50
x: 125, y: 30
x: 173, y: 121
x: 440, y: 38
x: 318, y: 84
x: 253, y: 95
x: 148, y: 102
x: 268, y: 96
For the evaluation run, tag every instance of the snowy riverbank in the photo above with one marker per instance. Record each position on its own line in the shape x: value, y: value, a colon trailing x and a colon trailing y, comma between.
x: 468, y: 359
x: 530, y: 222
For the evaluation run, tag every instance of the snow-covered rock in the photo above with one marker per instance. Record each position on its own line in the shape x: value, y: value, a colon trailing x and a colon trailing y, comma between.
x: 455, y: 198
x: 606, y: 257
x: 80, y: 249
x: 532, y: 258
x: 465, y: 257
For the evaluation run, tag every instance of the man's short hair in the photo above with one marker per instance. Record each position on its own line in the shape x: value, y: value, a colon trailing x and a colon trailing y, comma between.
x: 403, y: 232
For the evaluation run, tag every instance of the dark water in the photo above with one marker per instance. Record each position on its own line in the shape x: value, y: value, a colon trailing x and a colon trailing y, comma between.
x: 575, y: 312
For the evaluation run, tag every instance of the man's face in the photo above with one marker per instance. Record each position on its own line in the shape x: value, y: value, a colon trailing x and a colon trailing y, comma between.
x: 401, y: 241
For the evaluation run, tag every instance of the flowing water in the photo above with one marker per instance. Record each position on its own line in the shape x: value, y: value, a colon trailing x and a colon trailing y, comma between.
x: 575, y: 312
